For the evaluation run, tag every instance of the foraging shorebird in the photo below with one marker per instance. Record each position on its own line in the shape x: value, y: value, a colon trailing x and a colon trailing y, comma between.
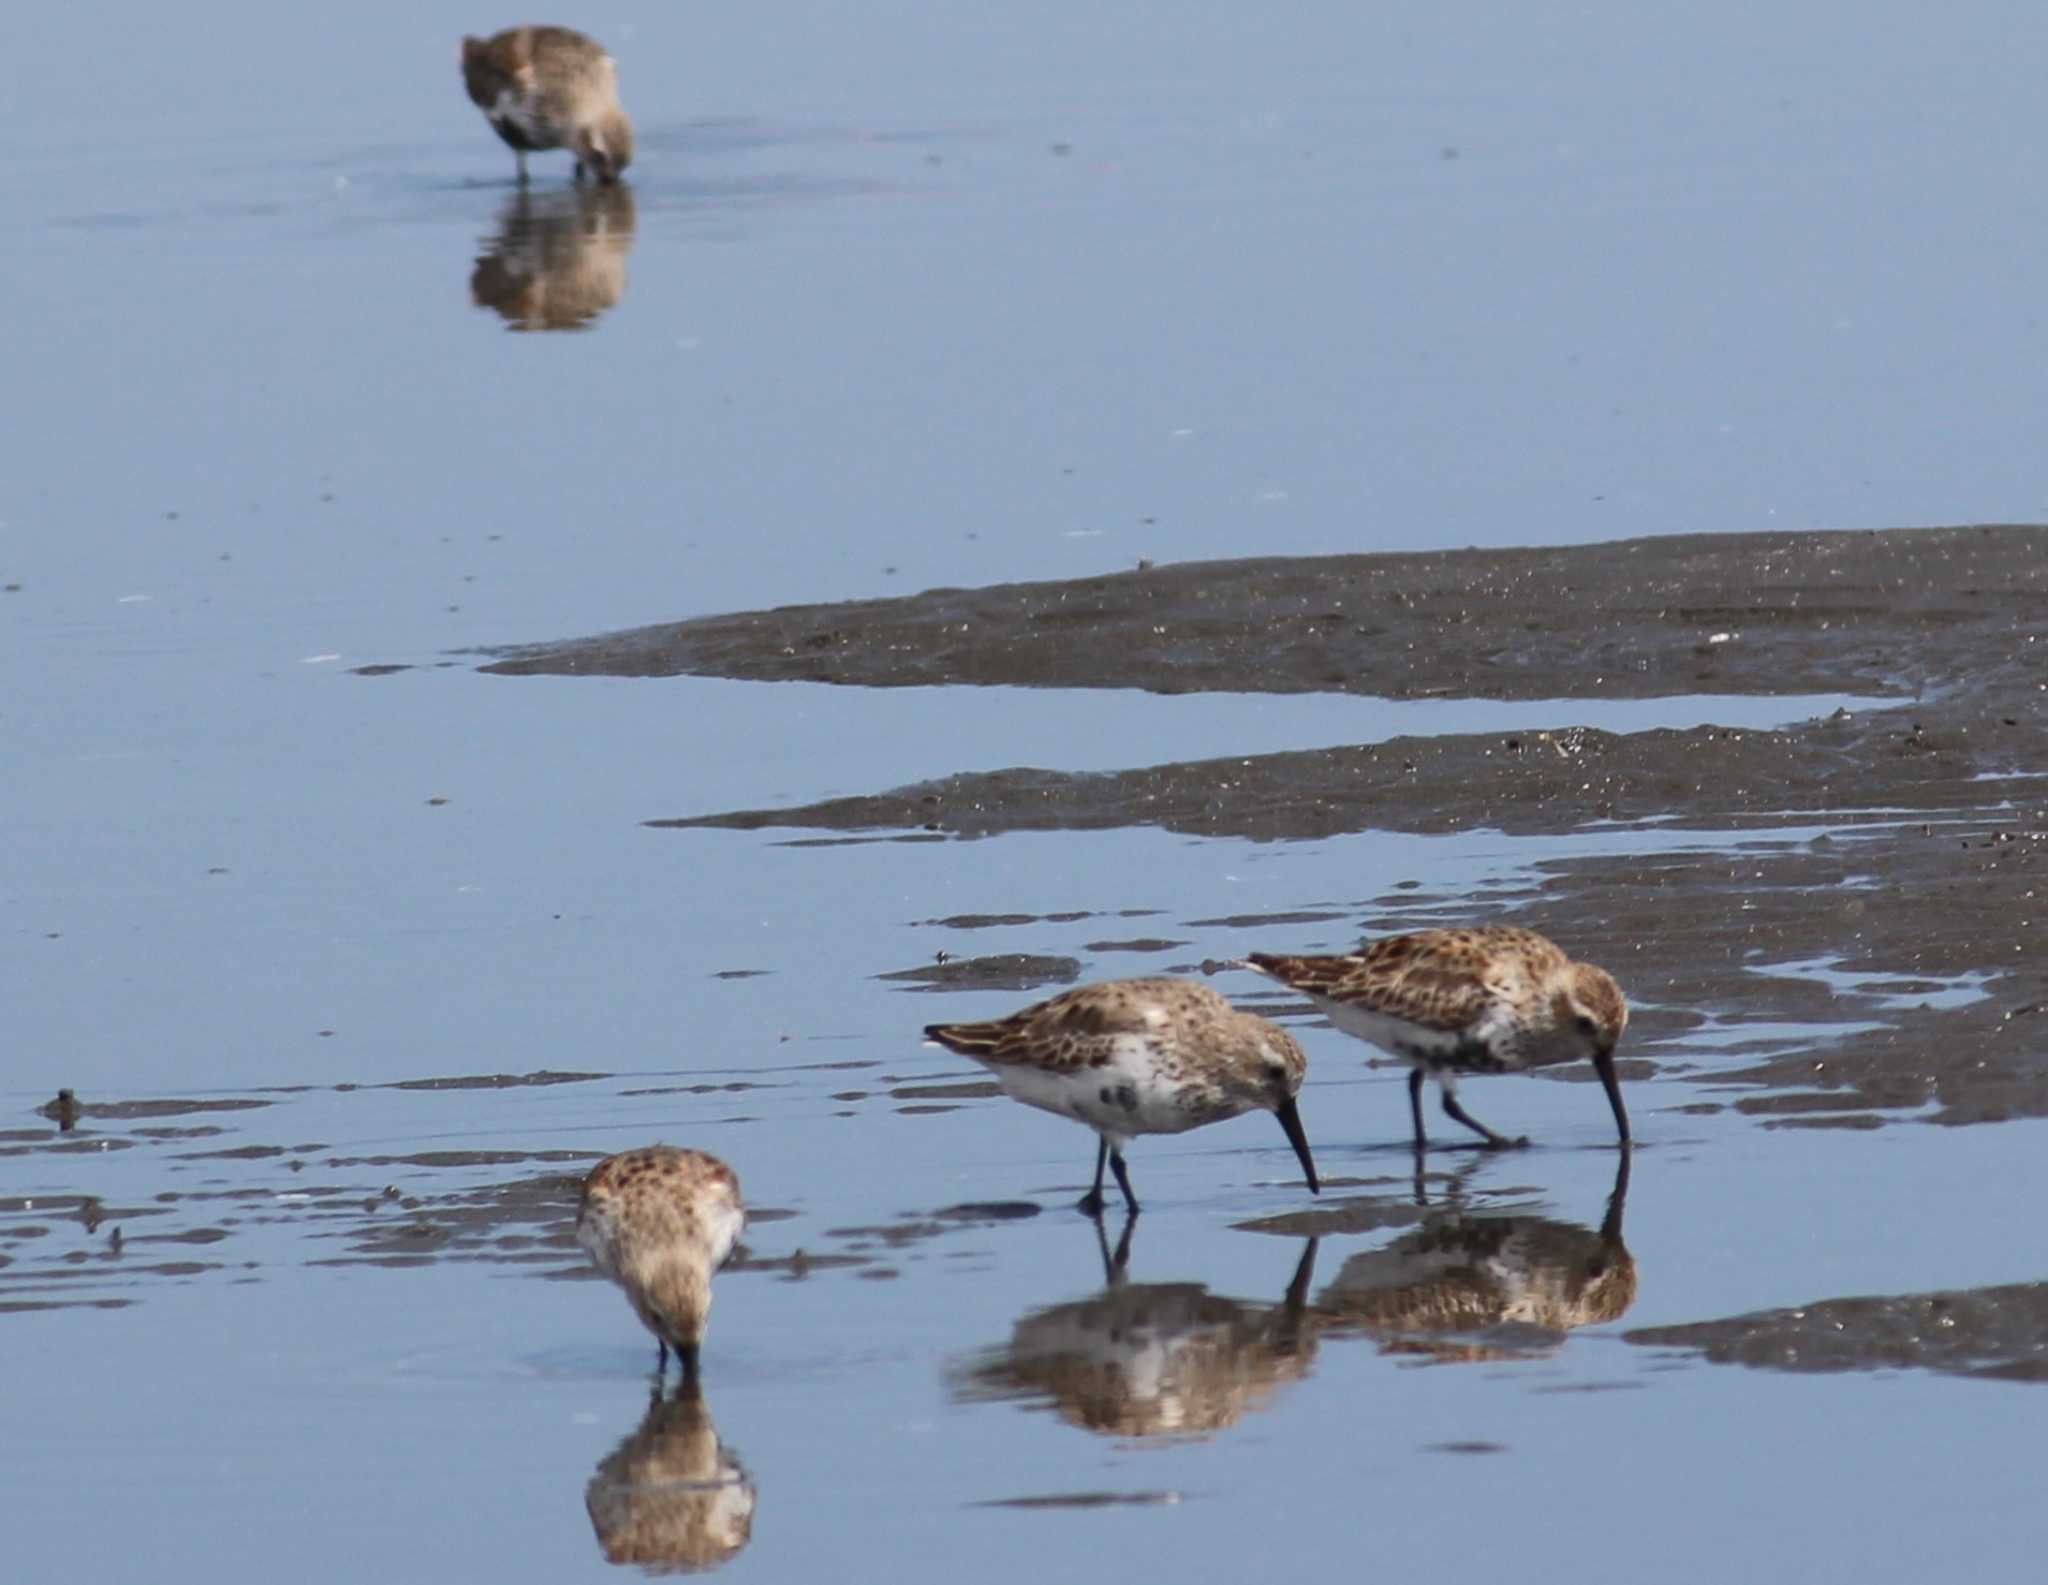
x: 1450, y: 1002
x: 1127, y: 1057
x: 551, y: 88
x: 659, y: 1222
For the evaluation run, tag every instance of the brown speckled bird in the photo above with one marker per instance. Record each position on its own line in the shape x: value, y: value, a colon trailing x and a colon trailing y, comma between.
x: 659, y: 1222
x: 1490, y: 1000
x: 1152, y: 1056
x: 550, y: 88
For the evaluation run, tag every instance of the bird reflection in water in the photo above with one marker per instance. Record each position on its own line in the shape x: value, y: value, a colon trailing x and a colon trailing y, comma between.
x: 1149, y: 1359
x: 672, y: 1497
x: 1464, y: 1287
x: 558, y: 259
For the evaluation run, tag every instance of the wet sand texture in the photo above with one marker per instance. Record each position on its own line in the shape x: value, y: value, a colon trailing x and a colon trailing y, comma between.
x: 1807, y: 613
x: 2000, y: 1333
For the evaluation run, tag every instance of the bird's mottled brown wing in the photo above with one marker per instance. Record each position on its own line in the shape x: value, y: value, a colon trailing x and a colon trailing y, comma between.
x: 660, y: 1168
x: 1432, y: 977
x: 1070, y: 1031
x: 980, y: 1041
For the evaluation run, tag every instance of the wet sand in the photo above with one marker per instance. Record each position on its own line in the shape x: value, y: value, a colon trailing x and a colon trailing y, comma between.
x: 1998, y: 1333
x: 1798, y: 613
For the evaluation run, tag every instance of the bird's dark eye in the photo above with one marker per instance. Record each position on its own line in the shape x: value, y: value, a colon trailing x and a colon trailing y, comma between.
x: 1585, y: 1023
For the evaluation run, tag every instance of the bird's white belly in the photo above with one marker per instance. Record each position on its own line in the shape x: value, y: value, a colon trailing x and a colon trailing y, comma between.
x: 1125, y: 1096
x: 1395, y: 1036
x: 598, y: 1235
x: 722, y: 1227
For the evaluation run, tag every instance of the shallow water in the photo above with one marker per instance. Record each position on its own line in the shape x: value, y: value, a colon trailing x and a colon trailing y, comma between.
x: 907, y: 300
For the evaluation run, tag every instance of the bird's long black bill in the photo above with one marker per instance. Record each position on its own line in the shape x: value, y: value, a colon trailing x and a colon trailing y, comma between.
x: 1603, y: 1064
x: 1290, y: 1121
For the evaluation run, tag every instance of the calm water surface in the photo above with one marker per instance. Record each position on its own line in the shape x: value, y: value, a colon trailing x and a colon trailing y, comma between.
x: 900, y: 298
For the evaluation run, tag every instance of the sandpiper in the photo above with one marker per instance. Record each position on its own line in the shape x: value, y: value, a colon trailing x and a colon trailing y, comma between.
x: 1127, y: 1057
x: 659, y: 1222
x: 1490, y: 1000
x: 546, y: 88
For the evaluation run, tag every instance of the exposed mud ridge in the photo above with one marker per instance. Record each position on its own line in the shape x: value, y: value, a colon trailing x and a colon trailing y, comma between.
x: 1870, y: 879
x: 1722, y: 613
x: 1526, y: 785
x: 1004, y: 971
x: 2001, y: 1333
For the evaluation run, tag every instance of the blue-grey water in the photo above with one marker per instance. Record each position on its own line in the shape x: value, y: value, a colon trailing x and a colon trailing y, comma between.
x: 909, y: 295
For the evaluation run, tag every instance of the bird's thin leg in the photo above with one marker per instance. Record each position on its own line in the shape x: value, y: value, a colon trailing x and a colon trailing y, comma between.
x: 520, y: 156
x: 1415, y: 1106
x: 661, y: 1359
x: 1123, y: 1180
x: 1092, y: 1202
x: 1493, y: 1141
